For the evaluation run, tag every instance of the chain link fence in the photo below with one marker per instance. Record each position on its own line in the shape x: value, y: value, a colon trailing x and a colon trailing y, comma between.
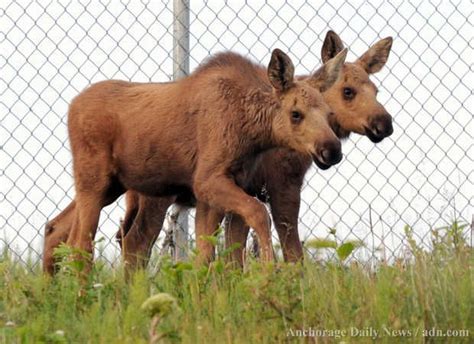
x: 422, y: 176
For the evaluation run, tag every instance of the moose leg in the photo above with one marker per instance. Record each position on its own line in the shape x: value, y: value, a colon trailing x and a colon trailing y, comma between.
x: 96, y: 187
x: 236, y: 232
x: 88, y: 207
x: 207, y: 222
x: 285, y: 206
x: 144, y: 229
x: 131, y: 211
x: 285, y: 209
x: 222, y: 193
x: 56, y: 232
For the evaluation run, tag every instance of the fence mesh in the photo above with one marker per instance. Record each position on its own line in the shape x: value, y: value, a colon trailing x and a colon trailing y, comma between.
x: 421, y: 176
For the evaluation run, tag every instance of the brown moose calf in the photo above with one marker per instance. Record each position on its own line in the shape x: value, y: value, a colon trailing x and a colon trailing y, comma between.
x: 162, y: 139
x: 280, y: 171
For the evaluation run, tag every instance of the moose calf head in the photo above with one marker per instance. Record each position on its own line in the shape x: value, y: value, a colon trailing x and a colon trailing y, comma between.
x: 353, y: 97
x: 302, y: 119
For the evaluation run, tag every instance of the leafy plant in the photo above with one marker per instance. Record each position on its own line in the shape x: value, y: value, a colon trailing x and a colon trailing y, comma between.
x: 342, y: 250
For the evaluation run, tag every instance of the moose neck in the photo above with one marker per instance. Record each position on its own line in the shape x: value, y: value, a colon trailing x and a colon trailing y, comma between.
x: 261, y: 108
x: 245, y: 99
x: 250, y: 107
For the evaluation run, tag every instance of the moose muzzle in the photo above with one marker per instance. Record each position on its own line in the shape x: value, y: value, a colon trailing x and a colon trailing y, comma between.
x: 380, y: 127
x: 328, y: 154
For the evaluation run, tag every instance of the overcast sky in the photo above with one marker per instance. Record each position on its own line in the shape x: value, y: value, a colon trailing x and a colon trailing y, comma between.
x: 421, y: 176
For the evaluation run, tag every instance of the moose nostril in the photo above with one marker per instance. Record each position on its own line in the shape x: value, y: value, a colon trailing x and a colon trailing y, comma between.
x: 379, y: 128
x: 326, y: 154
x: 382, y: 126
x: 331, y: 153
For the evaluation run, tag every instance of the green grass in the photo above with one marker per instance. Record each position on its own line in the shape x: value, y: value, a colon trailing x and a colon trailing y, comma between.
x: 264, y: 304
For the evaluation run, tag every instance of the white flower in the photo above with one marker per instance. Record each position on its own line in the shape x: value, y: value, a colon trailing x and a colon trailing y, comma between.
x: 10, y: 324
x: 59, y: 333
x: 97, y: 285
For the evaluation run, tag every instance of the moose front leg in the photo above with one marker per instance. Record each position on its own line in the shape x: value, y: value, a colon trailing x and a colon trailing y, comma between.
x: 236, y: 232
x: 222, y: 193
x: 285, y: 207
x: 207, y: 222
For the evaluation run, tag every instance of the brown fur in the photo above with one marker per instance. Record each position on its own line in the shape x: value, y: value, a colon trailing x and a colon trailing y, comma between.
x: 281, y: 171
x: 167, y: 139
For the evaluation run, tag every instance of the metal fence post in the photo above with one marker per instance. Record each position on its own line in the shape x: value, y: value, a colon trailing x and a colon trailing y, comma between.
x: 180, y: 38
x: 179, y: 215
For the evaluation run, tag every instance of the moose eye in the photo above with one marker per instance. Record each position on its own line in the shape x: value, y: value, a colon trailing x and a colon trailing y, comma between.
x: 296, y: 117
x: 349, y: 93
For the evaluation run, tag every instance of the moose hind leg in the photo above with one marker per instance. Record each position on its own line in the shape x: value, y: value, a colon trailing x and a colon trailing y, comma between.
x: 96, y: 186
x: 131, y: 211
x: 85, y: 225
x: 145, y: 225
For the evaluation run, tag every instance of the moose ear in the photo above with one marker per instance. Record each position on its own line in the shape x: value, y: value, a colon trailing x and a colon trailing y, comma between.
x: 331, y: 47
x: 280, y: 70
x: 375, y: 58
x: 327, y: 75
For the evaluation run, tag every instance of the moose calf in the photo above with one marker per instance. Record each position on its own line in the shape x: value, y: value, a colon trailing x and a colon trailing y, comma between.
x: 276, y: 176
x: 164, y: 139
